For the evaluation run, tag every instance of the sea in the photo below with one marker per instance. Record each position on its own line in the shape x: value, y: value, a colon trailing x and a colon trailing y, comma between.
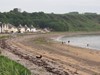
x: 84, y: 41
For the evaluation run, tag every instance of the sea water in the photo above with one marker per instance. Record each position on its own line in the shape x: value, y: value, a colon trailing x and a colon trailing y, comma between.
x: 85, y: 41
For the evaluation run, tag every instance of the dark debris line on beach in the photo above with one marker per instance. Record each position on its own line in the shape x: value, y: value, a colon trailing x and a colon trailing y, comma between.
x: 36, y: 61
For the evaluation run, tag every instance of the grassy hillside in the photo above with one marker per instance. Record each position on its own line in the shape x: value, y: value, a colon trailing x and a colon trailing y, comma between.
x: 56, y: 22
x: 9, y: 67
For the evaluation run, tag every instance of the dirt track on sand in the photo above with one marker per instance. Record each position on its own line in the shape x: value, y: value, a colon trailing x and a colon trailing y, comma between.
x: 62, y: 57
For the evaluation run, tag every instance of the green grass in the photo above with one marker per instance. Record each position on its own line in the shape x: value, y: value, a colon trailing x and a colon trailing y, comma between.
x: 41, y: 40
x: 9, y: 67
x: 4, y: 36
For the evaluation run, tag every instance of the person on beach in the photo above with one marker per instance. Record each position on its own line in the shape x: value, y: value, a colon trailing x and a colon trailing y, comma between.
x: 68, y: 41
x: 87, y: 45
x: 62, y: 42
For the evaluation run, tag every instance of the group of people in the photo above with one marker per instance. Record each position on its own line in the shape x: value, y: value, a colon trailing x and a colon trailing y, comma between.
x: 69, y: 42
x: 65, y: 42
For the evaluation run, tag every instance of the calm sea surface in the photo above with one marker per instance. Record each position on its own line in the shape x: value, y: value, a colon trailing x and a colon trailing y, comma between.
x: 85, y: 41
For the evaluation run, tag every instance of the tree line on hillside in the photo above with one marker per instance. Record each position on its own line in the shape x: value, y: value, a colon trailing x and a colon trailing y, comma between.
x: 72, y: 21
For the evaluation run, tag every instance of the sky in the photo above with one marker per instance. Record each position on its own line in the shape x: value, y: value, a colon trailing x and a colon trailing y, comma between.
x: 51, y: 6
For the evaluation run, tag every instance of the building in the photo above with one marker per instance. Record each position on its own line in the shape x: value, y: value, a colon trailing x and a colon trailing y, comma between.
x: 33, y: 29
x: 21, y: 29
x: 8, y: 28
x: 27, y: 29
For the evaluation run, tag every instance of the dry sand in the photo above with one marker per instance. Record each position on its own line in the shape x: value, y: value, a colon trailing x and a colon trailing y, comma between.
x: 69, y: 58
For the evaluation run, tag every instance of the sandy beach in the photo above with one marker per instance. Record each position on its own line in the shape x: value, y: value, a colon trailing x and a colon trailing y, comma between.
x: 73, y: 60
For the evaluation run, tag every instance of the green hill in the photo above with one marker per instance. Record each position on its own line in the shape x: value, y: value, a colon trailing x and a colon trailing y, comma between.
x: 57, y: 22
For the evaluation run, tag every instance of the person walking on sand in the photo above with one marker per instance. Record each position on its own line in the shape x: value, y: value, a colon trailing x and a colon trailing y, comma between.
x: 62, y: 42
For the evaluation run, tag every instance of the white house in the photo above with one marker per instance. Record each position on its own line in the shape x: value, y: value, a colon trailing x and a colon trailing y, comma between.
x: 21, y: 29
x: 0, y: 26
x: 7, y: 28
x: 4, y: 28
x: 0, y: 29
x: 46, y: 30
x: 33, y: 29
x: 27, y: 29
x: 13, y: 30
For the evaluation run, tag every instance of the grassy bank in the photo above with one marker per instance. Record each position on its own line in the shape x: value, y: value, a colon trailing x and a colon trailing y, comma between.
x: 9, y: 67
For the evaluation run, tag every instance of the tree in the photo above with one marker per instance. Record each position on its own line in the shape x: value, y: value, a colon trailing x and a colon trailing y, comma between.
x: 16, y: 10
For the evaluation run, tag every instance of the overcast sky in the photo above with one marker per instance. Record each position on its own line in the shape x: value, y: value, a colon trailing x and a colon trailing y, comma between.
x: 48, y: 6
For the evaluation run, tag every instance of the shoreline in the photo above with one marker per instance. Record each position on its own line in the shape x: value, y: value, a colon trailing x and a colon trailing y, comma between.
x: 59, y: 39
x: 66, y: 57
